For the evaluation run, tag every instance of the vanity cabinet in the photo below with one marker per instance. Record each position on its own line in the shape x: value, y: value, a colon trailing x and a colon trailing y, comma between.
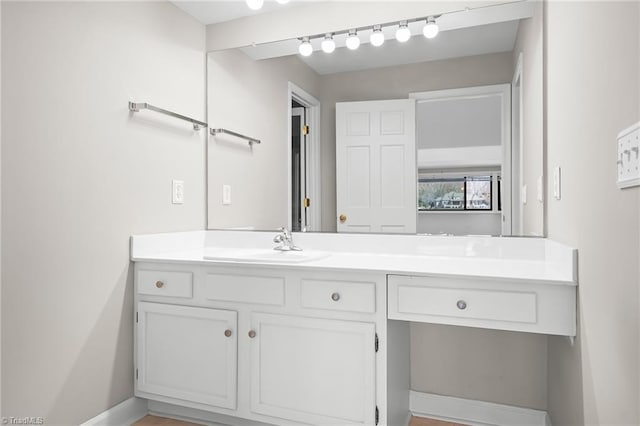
x: 312, y: 370
x: 272, y: 345
x: 187, y: 353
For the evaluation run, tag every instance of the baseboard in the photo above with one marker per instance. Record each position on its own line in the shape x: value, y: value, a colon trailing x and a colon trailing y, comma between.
x: 125, y: 413
x: 473, y: 412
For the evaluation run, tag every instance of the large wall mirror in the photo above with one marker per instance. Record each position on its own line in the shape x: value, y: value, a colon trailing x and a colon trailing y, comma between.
x: 430, y: 136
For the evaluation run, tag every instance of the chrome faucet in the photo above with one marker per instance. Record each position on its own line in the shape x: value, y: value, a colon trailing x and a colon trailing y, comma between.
x: 285, y: 241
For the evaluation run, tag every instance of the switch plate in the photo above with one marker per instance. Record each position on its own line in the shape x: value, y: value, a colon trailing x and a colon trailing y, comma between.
x: 556, y: 183
x: 226, y: 195
x: 178, y: 191
x: 628, y: 160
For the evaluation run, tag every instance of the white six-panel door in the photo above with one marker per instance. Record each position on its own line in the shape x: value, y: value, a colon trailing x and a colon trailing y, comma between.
x: 313, y: 371
x: 187, y: 353
x: 376, y: 166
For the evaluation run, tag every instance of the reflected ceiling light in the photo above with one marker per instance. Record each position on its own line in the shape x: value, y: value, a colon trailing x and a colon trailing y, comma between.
x: 431, y: 29
x: 255, y: 4
x: 403, y: 33
x: 305, y: 47
x: 282, y: 1
x: 353, y: 41
x: 377, y: 37
x: 328, y: 45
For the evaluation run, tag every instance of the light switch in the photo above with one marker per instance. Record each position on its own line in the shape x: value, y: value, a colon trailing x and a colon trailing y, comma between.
x: 178, y: 192
x: 556, y: 183
x: 628, y: 159
x: 226, y: 195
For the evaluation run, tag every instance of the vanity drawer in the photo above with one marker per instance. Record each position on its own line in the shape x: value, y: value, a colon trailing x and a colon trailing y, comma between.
x: 262, y: 290
x: 336, y: 295
x: 165, y: 283
x: 458, y: 299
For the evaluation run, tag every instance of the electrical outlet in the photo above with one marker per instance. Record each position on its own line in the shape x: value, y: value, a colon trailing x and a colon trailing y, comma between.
x: 628, y: 157
x: 178, y: 192
x: 540, y: 190
x: 226, y: 195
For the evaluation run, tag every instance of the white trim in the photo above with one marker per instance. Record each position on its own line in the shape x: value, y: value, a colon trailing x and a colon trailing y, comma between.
x: 125, y: 413
x: 314, y: 169
x: 473, y: 412
x: 518, y: 214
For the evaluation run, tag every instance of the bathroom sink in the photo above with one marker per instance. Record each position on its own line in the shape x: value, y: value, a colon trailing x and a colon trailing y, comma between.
x: 263, y: 255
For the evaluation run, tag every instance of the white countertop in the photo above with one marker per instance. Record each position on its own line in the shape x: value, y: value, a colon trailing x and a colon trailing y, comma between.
x: 531, y: 259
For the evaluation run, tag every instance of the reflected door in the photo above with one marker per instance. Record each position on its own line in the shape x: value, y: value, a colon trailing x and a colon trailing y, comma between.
x: 376, y: 166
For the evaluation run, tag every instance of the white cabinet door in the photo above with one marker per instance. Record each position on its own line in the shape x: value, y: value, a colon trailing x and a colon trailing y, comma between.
x: 376, y: 166
x: 313, y: 371
x: 187, y: 353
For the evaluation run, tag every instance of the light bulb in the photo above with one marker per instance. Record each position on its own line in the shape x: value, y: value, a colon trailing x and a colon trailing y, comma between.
x: 255, y: 4
x: 282, y: 1
x: 328, y: 45
x: 431, y: 29
x: 305, y: 47
x: 377, y: 37
x: 353, y: 41
x: 403, y: 33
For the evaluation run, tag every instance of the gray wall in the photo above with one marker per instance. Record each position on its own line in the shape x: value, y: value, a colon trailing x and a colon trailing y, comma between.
x: 250, y: 97
x: 80, y: 174
x: 593, y: 92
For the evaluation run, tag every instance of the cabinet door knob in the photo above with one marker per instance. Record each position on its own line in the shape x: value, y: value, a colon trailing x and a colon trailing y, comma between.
x: 228, y: 333
x: 343, y: 218
x: 159, y: 284
x: 335, y: 296
x: 461, y: 304
x: 252, y: 334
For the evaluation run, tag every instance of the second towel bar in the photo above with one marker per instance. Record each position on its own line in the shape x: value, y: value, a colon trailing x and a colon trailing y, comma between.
x: 238, y: 135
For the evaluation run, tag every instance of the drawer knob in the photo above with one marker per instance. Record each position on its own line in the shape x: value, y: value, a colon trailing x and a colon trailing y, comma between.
x: 461, y: 305
x: 335, y: 296
x: 252, y: 334
x: 228, y: 333
x: 159, y: 284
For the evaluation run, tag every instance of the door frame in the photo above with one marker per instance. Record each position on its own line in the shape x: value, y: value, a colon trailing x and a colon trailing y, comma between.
x: 314, y: 184
x: 504, y: 92
x: 517, y: 142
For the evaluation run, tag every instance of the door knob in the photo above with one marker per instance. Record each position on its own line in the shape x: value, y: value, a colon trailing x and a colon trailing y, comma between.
x: 343, y: 218
x: 252, y: 334
x: 227, y: 333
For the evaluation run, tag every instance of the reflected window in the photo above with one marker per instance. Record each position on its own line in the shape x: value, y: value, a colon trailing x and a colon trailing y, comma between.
x: 457, y: 193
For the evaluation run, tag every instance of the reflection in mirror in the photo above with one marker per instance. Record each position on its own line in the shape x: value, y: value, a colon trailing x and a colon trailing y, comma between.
x: 434, y: 136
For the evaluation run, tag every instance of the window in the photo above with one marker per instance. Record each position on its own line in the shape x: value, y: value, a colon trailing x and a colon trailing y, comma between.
x: 457, y: 193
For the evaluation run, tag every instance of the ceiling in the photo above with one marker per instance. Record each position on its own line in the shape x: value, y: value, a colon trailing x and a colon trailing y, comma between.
x: 468, y: 33
x: 216, y: 11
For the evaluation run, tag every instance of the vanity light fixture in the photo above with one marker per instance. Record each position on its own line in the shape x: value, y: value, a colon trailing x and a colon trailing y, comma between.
x: 255, y: 4
x: 403, y: 33
x: 377, y: 37
x: 431, y: 29
x: 328, y: 45
x: 353, y: 41
x: 305, y: 47
x: 283, y: 1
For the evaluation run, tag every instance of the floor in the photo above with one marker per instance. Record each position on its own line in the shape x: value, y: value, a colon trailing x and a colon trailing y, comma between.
x: 162, y: 421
